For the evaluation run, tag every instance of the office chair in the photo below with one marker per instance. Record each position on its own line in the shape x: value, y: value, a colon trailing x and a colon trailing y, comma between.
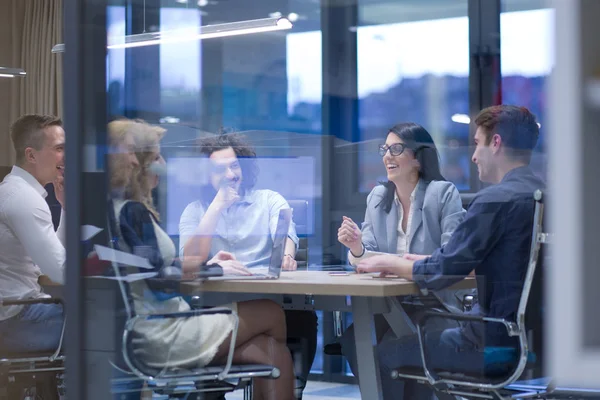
x: 502, y: 366
x: 300, y: 217
x: 179, y: 383
x: 32, y: 375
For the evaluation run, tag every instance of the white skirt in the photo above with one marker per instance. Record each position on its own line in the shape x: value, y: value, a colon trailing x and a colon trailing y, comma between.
x: 182, y: 342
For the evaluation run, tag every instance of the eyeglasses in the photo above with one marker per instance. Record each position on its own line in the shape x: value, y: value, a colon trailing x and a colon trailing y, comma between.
x: 395, y: 150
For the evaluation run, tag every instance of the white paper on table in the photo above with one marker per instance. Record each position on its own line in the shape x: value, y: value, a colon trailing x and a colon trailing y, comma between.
x: 89, y: 231
x: 108, y: 254
x: 129, y: 277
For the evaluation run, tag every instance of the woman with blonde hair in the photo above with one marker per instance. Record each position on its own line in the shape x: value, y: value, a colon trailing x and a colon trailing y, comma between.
x: 200, y: 340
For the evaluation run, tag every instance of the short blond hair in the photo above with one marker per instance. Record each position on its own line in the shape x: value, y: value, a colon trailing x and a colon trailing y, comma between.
x: 28, y: 131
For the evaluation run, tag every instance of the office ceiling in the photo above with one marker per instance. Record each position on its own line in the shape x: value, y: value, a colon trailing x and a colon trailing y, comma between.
x: 371, y: 12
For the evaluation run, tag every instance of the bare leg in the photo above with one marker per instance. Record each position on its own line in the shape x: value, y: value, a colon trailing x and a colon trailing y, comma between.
x: 260, y: 317
x: 264, y: 349
x: 261, y: 339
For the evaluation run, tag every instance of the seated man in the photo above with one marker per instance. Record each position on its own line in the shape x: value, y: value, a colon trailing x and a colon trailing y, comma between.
x: 232, y: 216
x: 29, y: 246
x: 493, y: 240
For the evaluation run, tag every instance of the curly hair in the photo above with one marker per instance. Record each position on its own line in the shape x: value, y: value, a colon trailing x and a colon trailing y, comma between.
x: 146, y: 138
x: 243, y: 151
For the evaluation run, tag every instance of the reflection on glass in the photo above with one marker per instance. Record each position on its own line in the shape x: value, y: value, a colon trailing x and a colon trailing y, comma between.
x: 305, y: 83
x: 527, y: 57
x: 180, y: 68
x: 115, y: 62
x: 414, y: 72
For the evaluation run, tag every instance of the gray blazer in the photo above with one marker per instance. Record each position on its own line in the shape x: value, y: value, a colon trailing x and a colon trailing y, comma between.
x: 438, y: 211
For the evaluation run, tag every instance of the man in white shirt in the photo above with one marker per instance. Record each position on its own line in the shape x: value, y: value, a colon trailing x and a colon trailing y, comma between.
x: 29, y: 246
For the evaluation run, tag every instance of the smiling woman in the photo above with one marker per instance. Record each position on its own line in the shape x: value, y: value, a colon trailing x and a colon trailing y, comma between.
x: 414, y: 211
x: 421, y: 161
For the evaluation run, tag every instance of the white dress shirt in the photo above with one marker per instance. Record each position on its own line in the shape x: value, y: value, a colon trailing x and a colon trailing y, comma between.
x: 404, y: 238
x: 29, y: 247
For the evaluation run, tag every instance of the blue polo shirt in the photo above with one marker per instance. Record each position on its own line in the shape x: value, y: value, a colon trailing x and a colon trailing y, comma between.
x: 245, y: 229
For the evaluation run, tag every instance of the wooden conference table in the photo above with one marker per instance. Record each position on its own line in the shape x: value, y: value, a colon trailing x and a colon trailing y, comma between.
x: 361, y: 294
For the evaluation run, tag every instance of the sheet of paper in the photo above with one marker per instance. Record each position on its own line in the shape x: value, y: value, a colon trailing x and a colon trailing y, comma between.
x: 108, y: 254
x: 89, y: 231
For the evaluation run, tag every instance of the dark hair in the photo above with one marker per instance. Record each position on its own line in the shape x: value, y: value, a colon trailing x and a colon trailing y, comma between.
x: 417, y: 139
x: 28, y: 131
x: 244, y: 152
x: 516, y: 126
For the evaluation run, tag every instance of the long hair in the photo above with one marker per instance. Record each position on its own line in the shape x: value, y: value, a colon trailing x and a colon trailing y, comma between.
x: 146, y: 139
x: 117, y: 133
x: 245, y: 154
x: 421, y: 143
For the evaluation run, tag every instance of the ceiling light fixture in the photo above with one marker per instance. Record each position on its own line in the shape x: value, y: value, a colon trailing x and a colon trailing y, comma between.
x: 465, y: 119
x: 11, y: 72
x: 198, y: 33
x: 461, y: 118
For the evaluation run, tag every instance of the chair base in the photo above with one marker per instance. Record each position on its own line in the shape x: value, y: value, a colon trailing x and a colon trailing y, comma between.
x: 39, y: 385
x: 204, y: 383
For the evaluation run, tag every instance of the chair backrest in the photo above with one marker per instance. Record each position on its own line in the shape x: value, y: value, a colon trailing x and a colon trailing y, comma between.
x: 532, y: 305
x: 530, y: 312
x: 532, y: 284
x: 300, y: 217
x: 114, y: 234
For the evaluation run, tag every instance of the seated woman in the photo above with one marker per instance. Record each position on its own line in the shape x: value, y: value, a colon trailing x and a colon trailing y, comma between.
x: 415, y: 211
x: 195, y: 341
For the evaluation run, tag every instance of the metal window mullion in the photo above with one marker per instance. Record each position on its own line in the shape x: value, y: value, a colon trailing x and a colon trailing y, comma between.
x: 484, y: 65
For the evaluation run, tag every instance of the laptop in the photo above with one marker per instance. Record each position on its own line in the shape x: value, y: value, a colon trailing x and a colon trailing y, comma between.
x: 277, y: 253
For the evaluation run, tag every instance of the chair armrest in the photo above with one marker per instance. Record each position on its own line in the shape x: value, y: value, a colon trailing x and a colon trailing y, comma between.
x: 511, y: 327
x: 24, y: 302
x: 187, y: 314
x: 43, y: 300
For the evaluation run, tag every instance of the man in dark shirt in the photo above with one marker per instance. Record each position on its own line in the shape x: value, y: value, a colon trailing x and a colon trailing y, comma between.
x: 493, y: 241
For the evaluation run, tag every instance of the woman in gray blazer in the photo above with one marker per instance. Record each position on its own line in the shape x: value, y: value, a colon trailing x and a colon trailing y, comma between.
x: 415, y: 211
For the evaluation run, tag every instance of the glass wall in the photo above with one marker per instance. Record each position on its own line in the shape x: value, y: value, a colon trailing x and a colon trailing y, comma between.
x: 527, y: 61
x: 313, y: 102
x: 414, y: 67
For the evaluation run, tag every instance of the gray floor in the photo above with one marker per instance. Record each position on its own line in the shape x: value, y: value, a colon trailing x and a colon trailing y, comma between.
x: 318, y: 391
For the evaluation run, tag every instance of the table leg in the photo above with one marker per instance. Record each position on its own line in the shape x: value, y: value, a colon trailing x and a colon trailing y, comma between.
x: 398, y: 320
x: 368, y: 366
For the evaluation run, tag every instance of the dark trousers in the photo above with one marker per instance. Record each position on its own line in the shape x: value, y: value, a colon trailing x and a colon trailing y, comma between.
x: 302, y: 340
x: 446, y: 350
